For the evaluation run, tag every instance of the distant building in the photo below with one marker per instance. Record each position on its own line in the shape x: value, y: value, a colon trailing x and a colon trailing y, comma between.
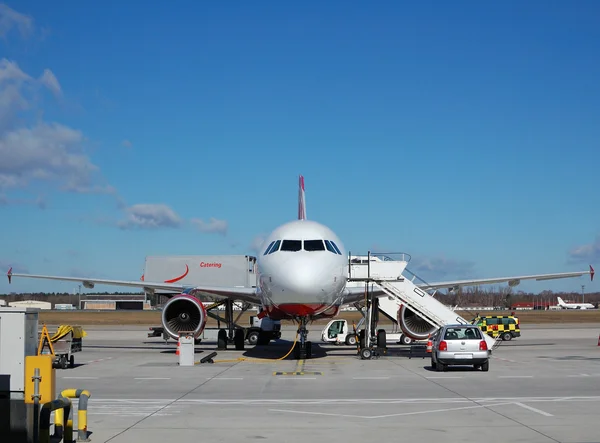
x: 116, y: 305
x: 31, y: 304
x: 530, y: 305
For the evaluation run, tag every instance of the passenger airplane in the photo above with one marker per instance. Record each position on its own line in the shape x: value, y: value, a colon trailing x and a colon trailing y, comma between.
x: 302, y: 273
x: 564, y: 305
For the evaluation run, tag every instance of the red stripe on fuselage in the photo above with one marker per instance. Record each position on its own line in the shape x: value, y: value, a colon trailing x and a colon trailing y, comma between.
x: 294, y: 310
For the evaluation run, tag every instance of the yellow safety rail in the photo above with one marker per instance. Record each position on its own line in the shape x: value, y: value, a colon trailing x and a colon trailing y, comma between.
x: 61, y: 404
x: 83, y: 396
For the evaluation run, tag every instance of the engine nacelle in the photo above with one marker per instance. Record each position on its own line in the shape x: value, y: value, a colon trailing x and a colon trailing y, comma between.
x: 413, y: 325
x: 184, y: 313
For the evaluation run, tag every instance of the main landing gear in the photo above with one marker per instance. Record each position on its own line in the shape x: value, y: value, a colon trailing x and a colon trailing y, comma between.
x: 303, y: 348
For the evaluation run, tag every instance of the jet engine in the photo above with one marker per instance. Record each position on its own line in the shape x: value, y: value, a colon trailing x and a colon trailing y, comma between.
x: 183, y: 313
x: 413, y: 325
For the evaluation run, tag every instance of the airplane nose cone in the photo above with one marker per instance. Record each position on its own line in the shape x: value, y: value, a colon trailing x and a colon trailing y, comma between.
x: 307, y: 283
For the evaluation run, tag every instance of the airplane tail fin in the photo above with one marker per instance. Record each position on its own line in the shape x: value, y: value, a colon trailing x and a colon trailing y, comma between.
x: 560, y: 301
x: 301, y: 201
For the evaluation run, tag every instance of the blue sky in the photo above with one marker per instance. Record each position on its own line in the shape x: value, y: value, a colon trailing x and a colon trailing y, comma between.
x: 465, y: 134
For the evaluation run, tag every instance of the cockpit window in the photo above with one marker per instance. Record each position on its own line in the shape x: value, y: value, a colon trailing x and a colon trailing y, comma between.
x: 330, y: 247
x: 314, y: 245
x: 268, y: 249
x: 275, y: 247
x: 336, y: 248
x: 291, y: 245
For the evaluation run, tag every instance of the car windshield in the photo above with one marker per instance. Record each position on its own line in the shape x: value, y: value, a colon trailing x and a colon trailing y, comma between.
x: 462, y: 333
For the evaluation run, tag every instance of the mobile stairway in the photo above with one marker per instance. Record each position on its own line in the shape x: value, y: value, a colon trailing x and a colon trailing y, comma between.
x: 388, y: 290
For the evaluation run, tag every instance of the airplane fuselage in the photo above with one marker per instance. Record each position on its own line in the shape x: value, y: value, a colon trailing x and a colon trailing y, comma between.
x: 302, y: 271
x: 565, y: 305
x: 578, y: 306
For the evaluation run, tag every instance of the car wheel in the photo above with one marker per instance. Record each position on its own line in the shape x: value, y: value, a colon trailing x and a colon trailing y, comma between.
x: 433, y: 364
x: 252, y: 338
x: 486, y: 366
x: 506, y: 336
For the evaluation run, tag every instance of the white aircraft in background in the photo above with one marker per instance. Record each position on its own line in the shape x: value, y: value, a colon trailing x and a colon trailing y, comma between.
x: 564, y: 305
x: 302, y: 273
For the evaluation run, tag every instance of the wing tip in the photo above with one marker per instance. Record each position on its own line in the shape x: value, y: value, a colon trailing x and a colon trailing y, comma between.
x: 592, y: 272
x: 9, y: 275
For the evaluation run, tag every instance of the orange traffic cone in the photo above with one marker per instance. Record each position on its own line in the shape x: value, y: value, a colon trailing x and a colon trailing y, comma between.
x: 599, y: 340
x: 177, y: 351
x: 429, y: 344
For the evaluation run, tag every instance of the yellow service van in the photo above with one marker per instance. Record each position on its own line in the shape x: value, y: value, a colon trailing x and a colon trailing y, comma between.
x: 505, y: 326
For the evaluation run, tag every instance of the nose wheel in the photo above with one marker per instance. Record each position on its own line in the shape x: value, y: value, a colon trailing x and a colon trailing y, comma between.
x: 303, y: 348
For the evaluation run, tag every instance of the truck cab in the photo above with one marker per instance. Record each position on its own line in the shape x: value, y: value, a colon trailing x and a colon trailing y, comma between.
x: 338, y: 331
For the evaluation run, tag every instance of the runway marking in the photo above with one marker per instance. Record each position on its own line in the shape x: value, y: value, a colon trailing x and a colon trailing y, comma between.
x: 444, y: 377
x: 224, y: 378
x: 504, y: 359
x: 401, y: 414
x: 330, y: 414
x: 96, y: 361
x: 300, y: 378
x: 515, y: 376
x: 298, y: 373
x: 370, y: 378
x: 325, y: 401
x: 81, y: 378
x: 539, y: 411
x: 153, y: 378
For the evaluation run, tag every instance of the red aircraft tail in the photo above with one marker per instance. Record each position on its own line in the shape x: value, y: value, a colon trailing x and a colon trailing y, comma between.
x: 301, y: 201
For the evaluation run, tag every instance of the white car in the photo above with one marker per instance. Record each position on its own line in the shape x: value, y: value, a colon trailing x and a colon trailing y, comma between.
x: 459, y: 345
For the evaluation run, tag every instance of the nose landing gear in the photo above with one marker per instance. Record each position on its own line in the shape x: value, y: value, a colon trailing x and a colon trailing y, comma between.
x: 303, y: 348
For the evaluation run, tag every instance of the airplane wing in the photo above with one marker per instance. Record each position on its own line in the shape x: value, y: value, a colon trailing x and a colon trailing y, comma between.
x: 357, y: 293
x: 512, y: 281
x: 237, y: 293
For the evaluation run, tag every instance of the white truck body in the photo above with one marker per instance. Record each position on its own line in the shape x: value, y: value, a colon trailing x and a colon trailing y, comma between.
x: 338, y: 331
x: 212, y: 270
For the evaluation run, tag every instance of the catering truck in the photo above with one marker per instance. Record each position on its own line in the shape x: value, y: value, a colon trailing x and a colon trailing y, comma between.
x: 211, y: 270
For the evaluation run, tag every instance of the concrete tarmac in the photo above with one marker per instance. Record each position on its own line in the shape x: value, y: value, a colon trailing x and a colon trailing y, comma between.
x: 542, y: 387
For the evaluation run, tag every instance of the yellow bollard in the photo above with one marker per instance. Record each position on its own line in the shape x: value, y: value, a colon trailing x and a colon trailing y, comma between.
x: 83, y: 396
x: 59, y: 417
x: 55, y: 405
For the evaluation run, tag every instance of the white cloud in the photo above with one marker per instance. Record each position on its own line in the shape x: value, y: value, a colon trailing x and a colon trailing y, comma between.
x: 150, y: 216
x: 40, y: 152
x: 213, y: 225
x: 39, y: 201
x: 49, y: 80
x: 47, y: 152
x: 14, y: 86
x: 588, y: 253
x: 9, y: 19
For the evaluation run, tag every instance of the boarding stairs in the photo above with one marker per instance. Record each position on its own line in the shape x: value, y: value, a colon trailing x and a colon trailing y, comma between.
x: 388, y: 274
